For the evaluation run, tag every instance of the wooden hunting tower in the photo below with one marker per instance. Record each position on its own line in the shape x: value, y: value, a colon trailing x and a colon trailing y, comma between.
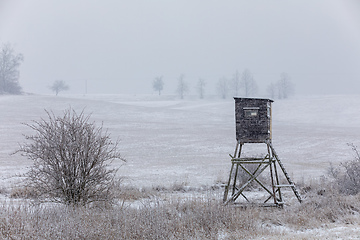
x: 253, y: 125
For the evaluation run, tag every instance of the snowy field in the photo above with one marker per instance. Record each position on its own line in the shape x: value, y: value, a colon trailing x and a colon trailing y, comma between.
x: 170, y: 141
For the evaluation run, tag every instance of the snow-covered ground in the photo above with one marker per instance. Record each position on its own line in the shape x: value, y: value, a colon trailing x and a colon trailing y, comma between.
x: 170, y: 141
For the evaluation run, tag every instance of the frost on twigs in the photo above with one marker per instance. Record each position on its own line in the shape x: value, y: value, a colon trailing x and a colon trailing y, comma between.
x: 347, y: 176
x: 71, y: 159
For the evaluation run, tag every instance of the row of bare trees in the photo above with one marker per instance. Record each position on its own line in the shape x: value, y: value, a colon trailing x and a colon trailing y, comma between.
x: 242, y: 84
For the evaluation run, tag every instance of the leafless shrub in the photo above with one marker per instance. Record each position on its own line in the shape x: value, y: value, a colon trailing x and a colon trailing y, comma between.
x: 347, y: 177
x: 71, y: 159
x: 323, y: 204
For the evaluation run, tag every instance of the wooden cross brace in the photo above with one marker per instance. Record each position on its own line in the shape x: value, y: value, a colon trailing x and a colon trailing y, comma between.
x: 253, y: 177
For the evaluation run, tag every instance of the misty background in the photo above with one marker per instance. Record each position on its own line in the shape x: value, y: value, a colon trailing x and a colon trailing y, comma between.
x: 122, y: 46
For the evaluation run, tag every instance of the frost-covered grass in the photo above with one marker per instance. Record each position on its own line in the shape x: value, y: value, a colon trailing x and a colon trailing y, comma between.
x: 325, y: 214
x: 175, y: 151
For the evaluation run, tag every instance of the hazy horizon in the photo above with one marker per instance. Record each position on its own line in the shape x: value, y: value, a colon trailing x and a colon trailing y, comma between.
x: 121, y: 46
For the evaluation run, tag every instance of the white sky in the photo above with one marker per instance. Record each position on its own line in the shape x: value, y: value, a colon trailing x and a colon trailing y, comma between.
x: 120, y: 46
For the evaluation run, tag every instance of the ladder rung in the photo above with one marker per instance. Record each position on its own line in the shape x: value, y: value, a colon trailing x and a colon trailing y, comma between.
x: 284, y: 185
x: 251, y: 162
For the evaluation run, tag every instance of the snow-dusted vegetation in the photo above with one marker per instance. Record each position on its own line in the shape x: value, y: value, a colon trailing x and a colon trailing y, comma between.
x: 177, y: 160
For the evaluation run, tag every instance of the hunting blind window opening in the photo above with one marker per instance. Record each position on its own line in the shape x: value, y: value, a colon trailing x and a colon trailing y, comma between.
x: 251, y: 112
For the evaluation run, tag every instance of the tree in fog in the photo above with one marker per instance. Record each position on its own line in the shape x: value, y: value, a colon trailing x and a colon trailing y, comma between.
x: 71, y: 159
x: 248, y: 84
x: 182, y: 87
x: 58, y: 86
x: 272, y: 90
x: 284, y: 86
x: 235, y: 83
x: 9, y: 70
x: 201, y: 87
x: 222, y: 87
x: 158, y: 84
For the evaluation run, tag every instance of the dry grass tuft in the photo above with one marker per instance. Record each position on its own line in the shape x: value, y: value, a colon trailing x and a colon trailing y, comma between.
x: 26, y: 192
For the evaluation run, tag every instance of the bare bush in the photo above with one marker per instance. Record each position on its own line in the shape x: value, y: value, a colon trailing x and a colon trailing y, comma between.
x: 71, y: 159
x: 347, y: 177
x: 323, y: 204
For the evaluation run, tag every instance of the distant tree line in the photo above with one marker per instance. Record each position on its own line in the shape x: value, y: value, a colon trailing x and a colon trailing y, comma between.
x: 241, y: 84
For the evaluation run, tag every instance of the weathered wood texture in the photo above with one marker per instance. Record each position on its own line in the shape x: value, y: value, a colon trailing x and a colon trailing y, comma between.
x: 253, y: 119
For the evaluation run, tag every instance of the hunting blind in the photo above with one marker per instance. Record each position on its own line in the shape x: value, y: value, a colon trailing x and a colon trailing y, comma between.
x: 253, y: 125
x: 253, y: 120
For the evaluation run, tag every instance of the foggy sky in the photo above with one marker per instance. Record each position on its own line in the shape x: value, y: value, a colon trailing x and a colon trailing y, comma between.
x: 120, y: 46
